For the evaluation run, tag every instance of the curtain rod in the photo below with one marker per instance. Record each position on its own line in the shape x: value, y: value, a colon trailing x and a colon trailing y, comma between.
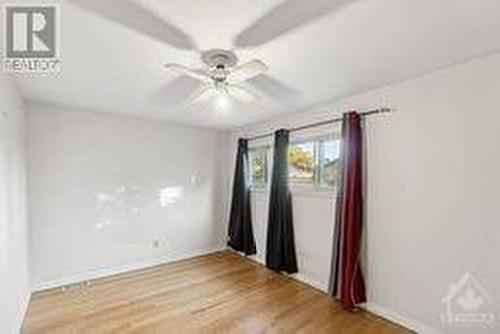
x: 329, y: 121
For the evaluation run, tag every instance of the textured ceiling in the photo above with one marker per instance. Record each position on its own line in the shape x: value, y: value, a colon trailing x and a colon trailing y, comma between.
x: 112, y: 51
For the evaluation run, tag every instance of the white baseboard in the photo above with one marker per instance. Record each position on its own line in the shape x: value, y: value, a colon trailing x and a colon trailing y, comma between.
x: 21, y: 314
x: 307, y: 280
x: 99, y: 273
x: 411, y: 324
x: 299, y: 277
x: 104, y: 272
x: 395, y: 317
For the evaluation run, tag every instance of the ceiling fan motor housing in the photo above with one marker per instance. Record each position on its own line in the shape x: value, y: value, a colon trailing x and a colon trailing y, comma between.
x: 219, y: 62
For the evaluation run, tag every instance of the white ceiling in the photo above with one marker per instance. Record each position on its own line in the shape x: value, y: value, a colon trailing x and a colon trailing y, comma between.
x: 320, y: 49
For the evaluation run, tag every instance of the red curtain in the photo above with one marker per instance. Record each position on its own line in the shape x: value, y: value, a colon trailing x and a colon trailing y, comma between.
x: 347, y: 281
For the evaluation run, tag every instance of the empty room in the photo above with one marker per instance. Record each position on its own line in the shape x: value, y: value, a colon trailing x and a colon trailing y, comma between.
x: 238, y: 166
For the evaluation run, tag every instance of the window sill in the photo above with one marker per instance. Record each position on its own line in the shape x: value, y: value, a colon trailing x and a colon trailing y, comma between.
x: 259, y: 190
x: 309, y: 191
x: 301, y: 191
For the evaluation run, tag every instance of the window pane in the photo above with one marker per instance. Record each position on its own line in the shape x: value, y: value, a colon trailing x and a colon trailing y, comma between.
x: 258, y: 167
x: 301, y: 163
x: 329, y: 162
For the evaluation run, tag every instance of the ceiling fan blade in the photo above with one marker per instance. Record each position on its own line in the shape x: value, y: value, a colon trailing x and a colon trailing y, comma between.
x: 202, y: 94
x: 175, y: 92
x: 247, y: 71
x: 242, y: 94
x: 286, y: 16
x: 275, y: 89
x: 187, y: 71
x: 132, y: 15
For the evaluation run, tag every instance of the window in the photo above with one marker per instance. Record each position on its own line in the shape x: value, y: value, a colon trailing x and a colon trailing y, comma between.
x: 314, y: 162
x: 258, y: 166
x: 302, y: 163
x: 329, y: 163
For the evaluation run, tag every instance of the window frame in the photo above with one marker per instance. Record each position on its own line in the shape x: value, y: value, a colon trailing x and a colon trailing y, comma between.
x: 315, y: 158
x: 320, y: 183
x: 266, y: 149
x: 316, y: 184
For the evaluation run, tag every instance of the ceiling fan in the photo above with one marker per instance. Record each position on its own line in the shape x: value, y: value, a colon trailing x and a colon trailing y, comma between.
x: 222, y: 76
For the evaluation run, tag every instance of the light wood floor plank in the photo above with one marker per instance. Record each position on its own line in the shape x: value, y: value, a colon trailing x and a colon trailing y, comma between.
x: 216, y: 293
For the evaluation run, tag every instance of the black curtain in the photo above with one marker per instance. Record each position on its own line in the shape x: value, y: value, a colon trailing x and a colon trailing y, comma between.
x: 280, y: 251
x: 240, y: 234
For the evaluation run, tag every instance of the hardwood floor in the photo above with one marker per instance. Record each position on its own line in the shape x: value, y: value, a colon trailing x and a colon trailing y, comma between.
x: 216, y: 293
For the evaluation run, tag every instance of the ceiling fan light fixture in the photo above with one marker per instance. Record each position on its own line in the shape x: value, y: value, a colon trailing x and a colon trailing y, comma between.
x: 222, y: 101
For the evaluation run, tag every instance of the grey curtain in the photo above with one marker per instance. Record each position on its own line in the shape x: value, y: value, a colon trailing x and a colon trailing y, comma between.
x: 240, y: 233
x: 280, y: 250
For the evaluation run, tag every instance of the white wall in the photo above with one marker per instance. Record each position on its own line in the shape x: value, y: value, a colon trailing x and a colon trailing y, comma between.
x: 95, y: 184
x: 433, y: 175
x: 14, y: 280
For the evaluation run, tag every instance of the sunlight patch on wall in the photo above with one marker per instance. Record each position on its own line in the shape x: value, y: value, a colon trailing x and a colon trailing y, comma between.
x: 170, y: 195
x: 116, y: 205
